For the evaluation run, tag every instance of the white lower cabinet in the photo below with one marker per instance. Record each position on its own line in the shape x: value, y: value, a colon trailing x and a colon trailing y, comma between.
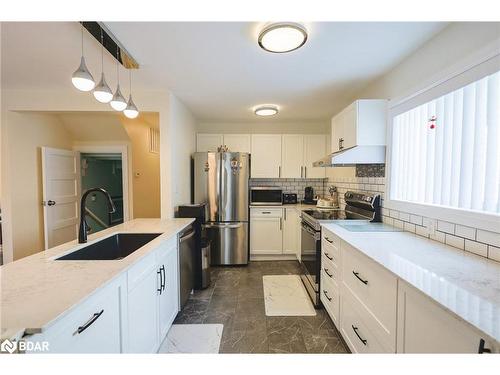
x: 94, y: 326
x: 169, y: 297
x: 266, y: 227
x: 426, y: 327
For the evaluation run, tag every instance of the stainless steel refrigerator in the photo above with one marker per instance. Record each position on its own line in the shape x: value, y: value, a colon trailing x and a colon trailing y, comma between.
x: 221, y: 181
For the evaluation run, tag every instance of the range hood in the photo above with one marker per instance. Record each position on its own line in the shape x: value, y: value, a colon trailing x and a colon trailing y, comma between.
x: 352, y: 156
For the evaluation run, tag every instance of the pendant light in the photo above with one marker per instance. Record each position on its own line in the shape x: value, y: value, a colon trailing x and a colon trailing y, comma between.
x: 131, y: 111
x: 118, y: 102
x: 102, y: 92
x: 82, y: 79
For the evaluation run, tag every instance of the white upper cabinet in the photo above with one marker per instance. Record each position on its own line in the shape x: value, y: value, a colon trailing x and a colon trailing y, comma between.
x: 314, y: 149
x: 292, y: 156
x: 266, y: 156
x: 237, y: 142
x: 362, y: 123
x: 208, y: 142
x: 234, y: 142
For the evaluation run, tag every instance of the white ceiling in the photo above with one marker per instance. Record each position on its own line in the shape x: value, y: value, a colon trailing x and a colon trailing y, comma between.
x: 217, y: 68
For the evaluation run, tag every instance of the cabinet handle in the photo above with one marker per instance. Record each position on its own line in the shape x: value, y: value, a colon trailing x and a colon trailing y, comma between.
x: 266, y: 212
x: 305, y: 172
x: 341, y: 143
x: 328, y: 240
x: 281, y: 223
x: 88, y: 323
x: 164, y: 276
x: 326, y: 255
x: 284, y: 213
x: 359, y: 278
x: 482, y: 349
x: 326, y: 271
x: 301, y: 172
x: 279, y: 171
x: 355, y: 329
x: 326, y: 295
x: 161, y: 280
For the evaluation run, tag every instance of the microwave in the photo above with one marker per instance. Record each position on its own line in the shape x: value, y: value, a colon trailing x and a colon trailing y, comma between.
x: 266, y: 196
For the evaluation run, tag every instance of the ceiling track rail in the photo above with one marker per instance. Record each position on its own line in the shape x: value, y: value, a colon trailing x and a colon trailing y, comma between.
x: 110, y: 43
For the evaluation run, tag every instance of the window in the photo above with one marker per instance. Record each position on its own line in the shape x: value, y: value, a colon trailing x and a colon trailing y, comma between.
x: 446, y: 151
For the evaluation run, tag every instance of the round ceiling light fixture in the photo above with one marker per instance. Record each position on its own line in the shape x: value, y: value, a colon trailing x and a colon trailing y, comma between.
x: 282, y: 37
x: 266, y: 110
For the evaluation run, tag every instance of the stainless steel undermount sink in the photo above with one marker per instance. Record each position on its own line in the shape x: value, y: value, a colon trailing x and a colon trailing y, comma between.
x: 114, y: 247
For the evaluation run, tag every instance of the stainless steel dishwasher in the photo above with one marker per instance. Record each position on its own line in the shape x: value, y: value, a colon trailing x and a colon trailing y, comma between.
x: 187, y: 246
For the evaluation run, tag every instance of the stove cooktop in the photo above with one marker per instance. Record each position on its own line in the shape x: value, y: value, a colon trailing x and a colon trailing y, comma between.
x: 319, y: 214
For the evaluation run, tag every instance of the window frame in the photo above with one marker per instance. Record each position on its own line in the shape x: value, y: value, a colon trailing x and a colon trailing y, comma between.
x: 454, y: 79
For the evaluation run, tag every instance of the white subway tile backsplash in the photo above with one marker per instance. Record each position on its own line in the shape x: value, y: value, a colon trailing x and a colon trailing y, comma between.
x: 466, y: 232
x: 409, y: 227
x: 494, y: 253
x: 398, y: 224
x: 446, y: 227
x: 476, y: 248
x: 480, y: 242
x: 421, y: 231
x: 415, y: 219
x: 454, y: 241
x: 437, y: 236
x: 490, y: 238
x: 404, y: 216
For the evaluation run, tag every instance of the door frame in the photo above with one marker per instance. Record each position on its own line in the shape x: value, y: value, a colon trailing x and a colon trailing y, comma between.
x: 127, y: 186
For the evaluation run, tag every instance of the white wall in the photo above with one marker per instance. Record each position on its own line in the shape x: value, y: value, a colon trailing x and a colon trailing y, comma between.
x: 183, y: 133
x: 264, y: 126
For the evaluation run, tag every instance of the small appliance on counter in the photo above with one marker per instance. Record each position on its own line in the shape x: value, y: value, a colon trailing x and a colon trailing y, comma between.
x: 289, y: 198
x: 326, y: 203
x: 309, y: 196
x: 266, y: 196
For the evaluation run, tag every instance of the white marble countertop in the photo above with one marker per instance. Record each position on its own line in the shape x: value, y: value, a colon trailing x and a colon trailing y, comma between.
x: 463, y: 283
x: 36, y: 290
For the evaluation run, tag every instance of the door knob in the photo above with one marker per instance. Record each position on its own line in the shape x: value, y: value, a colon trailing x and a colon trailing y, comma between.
x: 49, y: 203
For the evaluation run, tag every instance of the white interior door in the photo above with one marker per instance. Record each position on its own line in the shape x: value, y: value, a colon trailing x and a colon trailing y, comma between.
x: 61, y: 191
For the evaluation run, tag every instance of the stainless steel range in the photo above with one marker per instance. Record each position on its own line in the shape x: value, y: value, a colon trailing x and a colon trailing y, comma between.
x: 359, y: 206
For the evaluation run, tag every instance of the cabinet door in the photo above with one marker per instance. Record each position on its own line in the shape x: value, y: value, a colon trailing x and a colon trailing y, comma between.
x: 266, y: 156
x: 208, y: 142
x: 291, y: 231
x: 314, y: 149
x: 292, y: 156
x: 266, y: 235
x: 425, y: 327
x: 143, y: 312
x: 169, y: 297
x: 237, y: 142
x: 349, y: 124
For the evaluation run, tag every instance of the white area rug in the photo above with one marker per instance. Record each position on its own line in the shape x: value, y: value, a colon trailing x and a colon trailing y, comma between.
x: 193, y: 338
x: 285, y: 295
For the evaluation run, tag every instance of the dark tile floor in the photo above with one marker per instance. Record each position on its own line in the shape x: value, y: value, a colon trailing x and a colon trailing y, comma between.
x: 236, y: 299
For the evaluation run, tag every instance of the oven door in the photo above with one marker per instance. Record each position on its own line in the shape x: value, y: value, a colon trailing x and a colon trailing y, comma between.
x: 310, y: 251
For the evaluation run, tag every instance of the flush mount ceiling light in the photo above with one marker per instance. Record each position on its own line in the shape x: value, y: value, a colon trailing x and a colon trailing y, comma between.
x: 282, y: 37
x: 81, y: 78
x: 102, y: 92
x: 131, y: 111
x: 266, y: 110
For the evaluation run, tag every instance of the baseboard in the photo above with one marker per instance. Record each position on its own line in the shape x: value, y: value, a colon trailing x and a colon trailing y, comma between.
x: 257, y: 258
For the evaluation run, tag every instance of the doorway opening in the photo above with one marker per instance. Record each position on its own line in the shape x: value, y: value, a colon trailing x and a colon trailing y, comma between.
x: 104, y: 170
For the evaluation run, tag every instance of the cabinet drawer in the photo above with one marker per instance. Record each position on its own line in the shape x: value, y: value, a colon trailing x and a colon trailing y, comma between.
x: 356, y: 330
x: 92, y: 327
x: 266, y: 212
x: 330, y: 252
x: 330, y: 238
x: 374, y: 287
x: 330, y: 296
x: 330, y: 269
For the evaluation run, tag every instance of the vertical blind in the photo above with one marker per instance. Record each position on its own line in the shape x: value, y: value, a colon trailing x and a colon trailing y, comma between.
x: 447, y: 151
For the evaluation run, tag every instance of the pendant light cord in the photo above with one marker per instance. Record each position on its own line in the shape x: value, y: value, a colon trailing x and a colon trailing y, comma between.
x: 117, y: 67
x: 82, y: 36
x: 102, y: 52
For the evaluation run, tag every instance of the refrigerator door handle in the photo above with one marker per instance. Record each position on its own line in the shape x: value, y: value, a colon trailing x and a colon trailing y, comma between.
x: 223, y: 225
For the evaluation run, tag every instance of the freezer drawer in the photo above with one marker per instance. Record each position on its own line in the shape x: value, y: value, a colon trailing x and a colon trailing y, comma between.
x: 229, y: 243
